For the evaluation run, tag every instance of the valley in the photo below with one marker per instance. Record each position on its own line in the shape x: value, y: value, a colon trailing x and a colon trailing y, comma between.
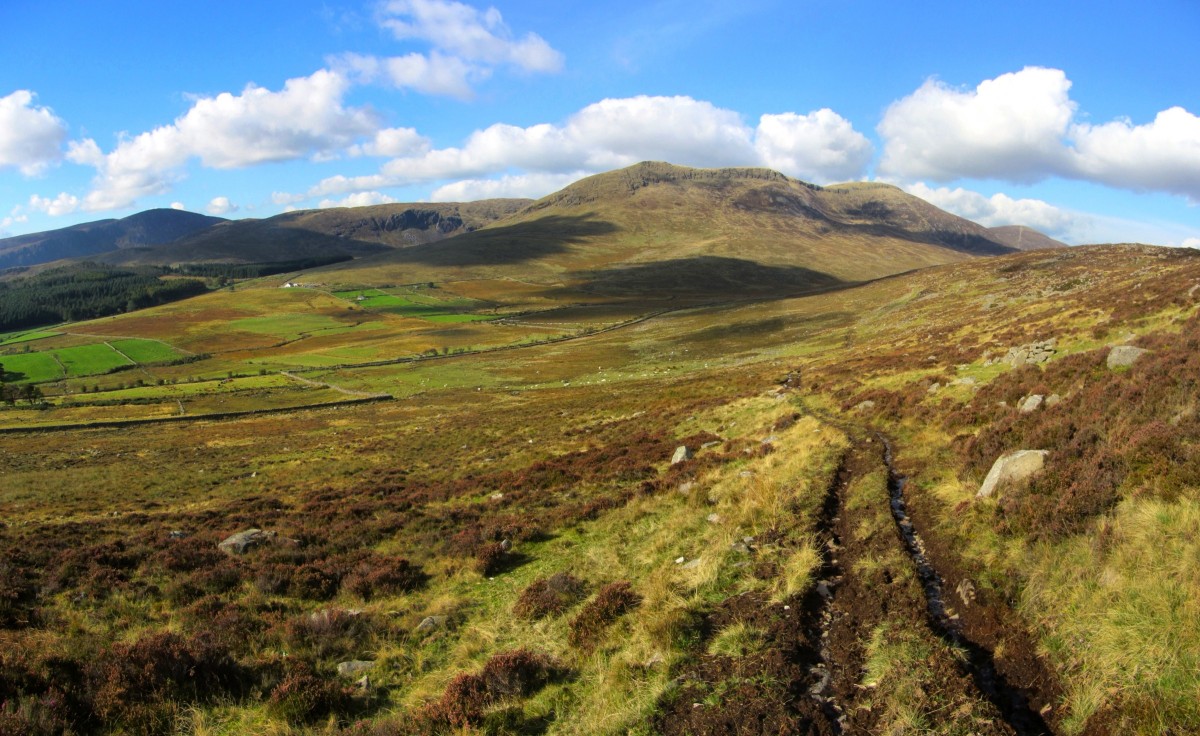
x: 462, y: 458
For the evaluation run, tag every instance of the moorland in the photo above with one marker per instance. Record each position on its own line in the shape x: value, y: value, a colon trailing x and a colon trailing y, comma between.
x: 672, y: 451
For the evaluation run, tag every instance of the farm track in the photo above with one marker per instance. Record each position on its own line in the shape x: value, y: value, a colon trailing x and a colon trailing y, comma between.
x: 877, y: 575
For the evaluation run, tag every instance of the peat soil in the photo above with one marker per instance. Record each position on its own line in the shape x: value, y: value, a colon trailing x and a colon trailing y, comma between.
x: 979, y: 673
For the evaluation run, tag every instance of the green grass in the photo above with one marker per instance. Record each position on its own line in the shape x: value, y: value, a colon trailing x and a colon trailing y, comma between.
x: 34, y: 367
x: 12, y: 338
x: 146, y: 351
x: 88, y: 360
x: 405, y: 302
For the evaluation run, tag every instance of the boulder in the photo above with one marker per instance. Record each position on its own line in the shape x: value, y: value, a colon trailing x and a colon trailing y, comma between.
x: 1012, y: 468
x: 1123, y: 356
x: 1030, y: 404
x: 353, y: 667
x: 682, y: 454
x: 1034, y: 353
x: 1053, y: 400
x: 864, y: 406
x: 429, y: 623
x: 243, y: 542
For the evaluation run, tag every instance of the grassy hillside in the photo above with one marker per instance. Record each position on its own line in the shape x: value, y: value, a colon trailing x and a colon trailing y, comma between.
x: 507, y: 547
x: 660, y: 230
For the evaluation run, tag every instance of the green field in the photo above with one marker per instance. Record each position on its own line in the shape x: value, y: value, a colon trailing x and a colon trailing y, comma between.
x: 88, y: 360
x: 13, y: 338
x: 34, y: 367
x: 146, y: 351
x: 406, y: 302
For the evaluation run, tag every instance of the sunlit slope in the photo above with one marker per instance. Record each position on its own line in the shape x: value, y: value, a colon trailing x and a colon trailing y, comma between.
x: 655, y: 228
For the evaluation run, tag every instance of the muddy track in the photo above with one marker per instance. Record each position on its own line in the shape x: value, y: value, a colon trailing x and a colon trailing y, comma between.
x: 1013, y: 702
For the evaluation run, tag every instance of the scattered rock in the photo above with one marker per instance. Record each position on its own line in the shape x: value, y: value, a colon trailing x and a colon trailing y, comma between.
x: 740, y: 548
x: 823, y: 590
x: 680, y: 560
x: 965, y: 381
x: 745, y: 473
x: 655, y: 660
x: 497, y: 496
x: 682, y: 454
x: 712, y: 443
x: 364, y: 683
x: 1035, y: 353
x: 243, y: 542
x: 1030, y: 404
x: 864, y: 406
x: 686, y: 487
x: 935, y: 387
x: 714, y: 518
x: 966, y: 591
x: 430, y: 623
x: 177, y: 534
x: 1123, y: 356
x: 1053, y: 400
x: 692, y: 564
x: 1012, y: 468
x: 354, y: 667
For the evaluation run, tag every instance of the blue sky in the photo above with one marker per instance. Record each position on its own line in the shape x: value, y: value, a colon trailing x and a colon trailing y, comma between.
x: 1080, y: 119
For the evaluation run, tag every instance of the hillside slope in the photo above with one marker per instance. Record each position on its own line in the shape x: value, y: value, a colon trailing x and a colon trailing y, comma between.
x: 354, y: 231
x: 149, y: 228
x: 655, y: 228
x: 1024, y: 238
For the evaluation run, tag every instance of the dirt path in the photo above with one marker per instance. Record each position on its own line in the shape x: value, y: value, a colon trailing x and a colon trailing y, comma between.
x: 893, y: 652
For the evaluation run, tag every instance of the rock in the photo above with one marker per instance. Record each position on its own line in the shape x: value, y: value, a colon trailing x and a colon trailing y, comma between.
x: 497, y: 496
x: 740, y: 548
x: 177, y: 534
x: 1053, y: 400
x: 692, y: 564
x: 964, y: 381
x: 686, y: 487
x: 864, y: 406
x: 680, y: 560
x: 1030, y: 404
x: 714, y: 518
x: 934, y: 387
x: 682, y: 454
x: 364, y: 683
x: 966, y: 591
x: 243, y: 542
x: 1034, y: 353
x: 823, y: 590
x: 1012, y: 468
x: 429, y: 623
x: 354, y: 667
x: 505, y: 545
x: 711, y: 443
x: 1123, y: 356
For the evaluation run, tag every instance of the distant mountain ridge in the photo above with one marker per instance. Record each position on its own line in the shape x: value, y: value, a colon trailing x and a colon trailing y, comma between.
x: 145, y: 229
x: 1024, y: 238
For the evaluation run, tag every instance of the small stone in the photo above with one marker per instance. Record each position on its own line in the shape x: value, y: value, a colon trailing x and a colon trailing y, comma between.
x: 966, y: 591
x: 682, y: 454
x: 680, y: 560
x: 1053, y: 400
x: 714, y: 518
x: 823, y: 590
x: 177, y: 534
x: 712, y: 443
x: 1123, y: 356
x: 864, y: 406
x: 243, y: 542
x: 1030, y: 404
x: 497, y: 496
x: 353, y: 667
x: 740, y: 548
x: 1012, y: 468
x: 692, y: 565
x: 364, y: 684
x: 429, y: 623
x: 686, y: 487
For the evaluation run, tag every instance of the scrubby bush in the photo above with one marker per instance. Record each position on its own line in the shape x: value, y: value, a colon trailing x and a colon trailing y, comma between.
x: 550, y: 596
x: 302, y: 696
x: 612, y: 601
x: 16, y: 596
x: 506, y: 675
x: 380, y: 575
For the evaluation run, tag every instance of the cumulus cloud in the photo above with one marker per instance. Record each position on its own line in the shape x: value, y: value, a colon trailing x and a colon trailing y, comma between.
x: 63, y: 204
x: 1163, y: 155
x: 304, y: 119
x: 221, y: 206
x: 468, y: 33
x: 820, y: 146
x: 358, y: 199
x: 1021, y: 127
x: 1001, y: 209
x: 391, y: 142
x: 178, y: 206
x: 31, y: 137
x: 1191, y: 243
x: 1010, y: 127
x: 532, y: 186
x: 468, y: 45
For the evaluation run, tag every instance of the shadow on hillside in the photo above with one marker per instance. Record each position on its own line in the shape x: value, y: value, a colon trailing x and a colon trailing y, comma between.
x: 517, y: 243
x: 706, y: 276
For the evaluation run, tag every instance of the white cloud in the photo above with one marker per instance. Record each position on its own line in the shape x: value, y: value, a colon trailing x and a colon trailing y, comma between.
x: 531, y: 186
x: 468, y: 33
x: 63, y: 204
x: 468, y: 45
x: 1021, y: 127
x: 178, y: 206
x: 304, y: 119
x: 1010, y: 127
x: 1163, y: 155
x: 31, y: 137
x: 1191, y: 243
x: 221, y: 206
x: 1001, y: 209
x: 820, y: 146
x: 392, y: 142
x: 358, y: 199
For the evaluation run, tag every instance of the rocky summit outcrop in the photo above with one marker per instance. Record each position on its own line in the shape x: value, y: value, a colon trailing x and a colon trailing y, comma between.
x: 1123, y: 356
x: 1014, y: 467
